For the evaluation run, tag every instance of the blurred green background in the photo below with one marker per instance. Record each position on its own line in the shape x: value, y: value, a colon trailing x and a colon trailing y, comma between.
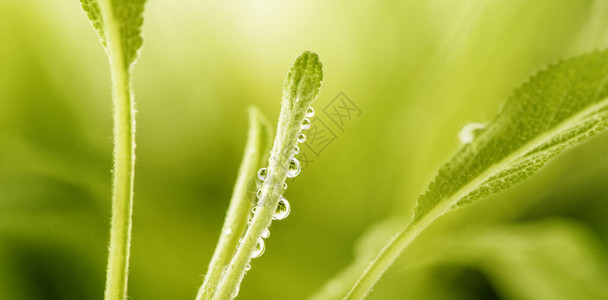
x: 417, y: 70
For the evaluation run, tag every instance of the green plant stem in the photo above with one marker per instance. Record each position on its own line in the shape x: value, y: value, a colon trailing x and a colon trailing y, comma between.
x: 390, y: 252
x: 230, y: 283
x: 300, y: 89
x: 124, y: 161
x: 393, y: 249
x: 272, y: 190
x: 240, y: 203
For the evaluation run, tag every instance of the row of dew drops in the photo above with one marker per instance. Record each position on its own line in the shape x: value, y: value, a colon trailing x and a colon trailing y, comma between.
x: 293, y: 170
x: 466, y: 136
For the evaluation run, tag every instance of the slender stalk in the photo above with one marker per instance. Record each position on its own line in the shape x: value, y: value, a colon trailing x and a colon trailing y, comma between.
x: 300, y: 89
x: 390, y: 252
x: 393, y: 249
x: 271, y: 191
x: 124, y: 160
x: 258, y: 143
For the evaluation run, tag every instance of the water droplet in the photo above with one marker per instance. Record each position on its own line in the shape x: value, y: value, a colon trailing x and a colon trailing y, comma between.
x: 284, y: 185
x: 310, y: 112
x: 259, y: 194
x: 249, y: 221
x: 468, y: 132
x: 301, y: 138
x: 305, y: 124
x: 296, y: 150
x: 254, y: 209
x: 294, y: 168
x: 247, y: 267
x: 259, y: 249
x: 262, y: 174
x: 283, y: 209
x: 266, y: 233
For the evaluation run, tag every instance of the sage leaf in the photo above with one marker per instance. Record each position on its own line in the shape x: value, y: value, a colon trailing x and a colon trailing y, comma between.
x: 235, y: 223
x: 559, y: 107
x: 300, y: 89
x: 120, y: 20
x: 91, y: 8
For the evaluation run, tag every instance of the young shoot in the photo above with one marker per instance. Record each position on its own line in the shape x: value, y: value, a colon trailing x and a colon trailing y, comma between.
x: 300, y: 89
x: 118, y: 24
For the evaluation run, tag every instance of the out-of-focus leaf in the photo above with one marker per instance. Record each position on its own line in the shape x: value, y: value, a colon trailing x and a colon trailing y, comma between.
x: 366, y: 248
x: 558, y: 108
x: 548, y: 259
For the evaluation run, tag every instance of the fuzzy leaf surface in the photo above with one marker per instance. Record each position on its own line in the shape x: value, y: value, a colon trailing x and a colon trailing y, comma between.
x: 559, y: 107
x: 127, y: 15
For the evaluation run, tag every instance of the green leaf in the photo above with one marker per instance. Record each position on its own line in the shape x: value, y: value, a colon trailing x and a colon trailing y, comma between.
x: 129, y: 14
x: 120, y: 20
x: 235, y: 223
x: 558, y: 108
x: 367, y: 246
x: 551, y: 258
x: 302, y: 84
x: 300, y: 89
x: 545, y: 259
x: 91, y: 7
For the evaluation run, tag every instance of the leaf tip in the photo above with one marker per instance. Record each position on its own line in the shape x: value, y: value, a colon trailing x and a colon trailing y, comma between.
x: 303, y: 82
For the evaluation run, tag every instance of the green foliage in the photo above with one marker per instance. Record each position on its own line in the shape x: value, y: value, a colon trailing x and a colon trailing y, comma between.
x: 546, y: 259
x: 450, y: 62
x: 91, y: 8
x: 254, y: 156
x: 126, y: 17
x: 300, y: 89
x: 558, y: 108
x: 551, y: 258
x: 129, y: 15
